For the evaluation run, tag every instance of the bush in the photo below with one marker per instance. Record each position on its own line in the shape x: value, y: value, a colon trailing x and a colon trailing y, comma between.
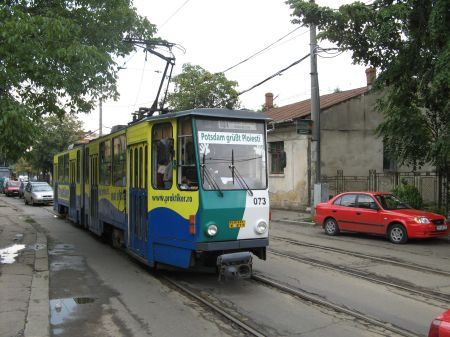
x: 435, y: 209
x: 408, y: 194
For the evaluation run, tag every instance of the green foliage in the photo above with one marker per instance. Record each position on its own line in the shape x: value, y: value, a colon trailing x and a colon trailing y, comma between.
x: 58, y: 57
x: 408, y: 41
x: 55, y: 135
x: 409, y: 194
x: 434, y: 208
x: 197, y: 88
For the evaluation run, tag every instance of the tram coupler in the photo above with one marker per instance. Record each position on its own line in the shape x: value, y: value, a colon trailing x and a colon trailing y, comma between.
x: 235, y: 265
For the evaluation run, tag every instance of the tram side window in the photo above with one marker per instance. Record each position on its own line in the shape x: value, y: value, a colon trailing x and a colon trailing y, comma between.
x: 187, y: 175
x: 66, y: 168
x: 162, y: 156
x: 105, y: 162
x: 86, y: 166
x: 60, y: 168
x: 119, y: 162
x: 78, y: 166
x: 55, y: 173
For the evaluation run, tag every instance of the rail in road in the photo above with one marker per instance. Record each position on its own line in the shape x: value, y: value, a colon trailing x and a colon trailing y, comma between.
x: 366, y: 276
x: 217, y: 309
x: 298, y: 293
x: 362, y: 255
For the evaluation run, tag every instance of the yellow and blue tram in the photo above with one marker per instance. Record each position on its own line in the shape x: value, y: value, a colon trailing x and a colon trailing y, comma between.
x: 186, y: 189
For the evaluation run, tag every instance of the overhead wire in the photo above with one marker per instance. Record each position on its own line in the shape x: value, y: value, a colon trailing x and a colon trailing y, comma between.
x: 333, y: 52
x: 274, y: 75
x: 140, y: 81
x: 264, y: 49
x: 173, y: 14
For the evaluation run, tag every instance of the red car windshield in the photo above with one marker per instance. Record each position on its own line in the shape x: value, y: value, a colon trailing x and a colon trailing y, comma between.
x: 390, y: 202
x: 14, y: 183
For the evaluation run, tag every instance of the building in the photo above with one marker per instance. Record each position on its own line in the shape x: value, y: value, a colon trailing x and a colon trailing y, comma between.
x: 349, y: 145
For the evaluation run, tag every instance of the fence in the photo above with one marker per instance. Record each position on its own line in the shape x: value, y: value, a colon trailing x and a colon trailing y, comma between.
x: 432, y: 188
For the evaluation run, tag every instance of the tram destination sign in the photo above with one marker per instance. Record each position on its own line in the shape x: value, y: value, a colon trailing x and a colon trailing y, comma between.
x: 236, y: 138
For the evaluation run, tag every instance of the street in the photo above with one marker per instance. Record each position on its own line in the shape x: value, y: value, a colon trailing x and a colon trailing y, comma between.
x: 349, y: 285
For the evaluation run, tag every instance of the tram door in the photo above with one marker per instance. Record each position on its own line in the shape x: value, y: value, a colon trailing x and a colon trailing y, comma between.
x: 93, y: 197
x: 72, y: 191
x: 138, y: 173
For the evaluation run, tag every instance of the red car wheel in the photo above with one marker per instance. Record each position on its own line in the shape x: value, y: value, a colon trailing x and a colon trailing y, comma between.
x: 397, y: 234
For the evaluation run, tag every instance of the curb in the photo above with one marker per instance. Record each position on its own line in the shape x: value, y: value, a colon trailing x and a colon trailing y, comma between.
x: 300, y: 222
x: 37, y: 321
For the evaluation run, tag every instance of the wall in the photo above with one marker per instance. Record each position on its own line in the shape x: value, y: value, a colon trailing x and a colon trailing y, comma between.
x: 348, y: 138
x: 290, y: 189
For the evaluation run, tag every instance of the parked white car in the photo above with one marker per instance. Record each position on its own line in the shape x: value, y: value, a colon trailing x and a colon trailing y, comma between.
x: 38, y: 193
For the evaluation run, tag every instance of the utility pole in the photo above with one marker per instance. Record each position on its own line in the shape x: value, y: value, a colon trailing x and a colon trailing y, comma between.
x: 315, y: 116
x: 100, y: 122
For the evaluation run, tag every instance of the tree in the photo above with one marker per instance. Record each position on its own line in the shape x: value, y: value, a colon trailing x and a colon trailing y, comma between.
x: 55, y: 135
x: 408, y: 41
x: 197, y: 88
x: 59, y: 57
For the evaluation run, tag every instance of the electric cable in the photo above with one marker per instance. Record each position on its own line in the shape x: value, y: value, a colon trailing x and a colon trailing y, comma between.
x: 174, y: 13
x: 265, y: 49
x: 140, y: 82
x: 274, y: 75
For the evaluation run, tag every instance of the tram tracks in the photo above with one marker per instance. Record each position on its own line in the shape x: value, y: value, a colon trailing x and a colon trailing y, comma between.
x: 444, y: 298
x: 305, y: 296
x: 217, y: 309
x: 301, y: 295
x: 362, y: 255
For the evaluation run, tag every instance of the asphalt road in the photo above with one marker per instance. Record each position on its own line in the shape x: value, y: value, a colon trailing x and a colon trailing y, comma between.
x: 96, y: 290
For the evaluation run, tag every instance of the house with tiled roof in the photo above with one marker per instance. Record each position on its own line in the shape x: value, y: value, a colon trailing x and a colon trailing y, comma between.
x: 348, y: 143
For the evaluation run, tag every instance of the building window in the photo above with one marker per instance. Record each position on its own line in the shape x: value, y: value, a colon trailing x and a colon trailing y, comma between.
x: 277, y: 157
x: 388, y: 161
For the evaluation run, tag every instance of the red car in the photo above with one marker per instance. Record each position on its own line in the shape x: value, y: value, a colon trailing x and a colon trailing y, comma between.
x: 378, y: 213
x: 440, y: 327
x: 12, y: 188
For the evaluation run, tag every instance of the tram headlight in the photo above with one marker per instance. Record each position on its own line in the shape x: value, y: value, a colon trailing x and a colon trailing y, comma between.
x: 211, y: 230
x: 261, y: 227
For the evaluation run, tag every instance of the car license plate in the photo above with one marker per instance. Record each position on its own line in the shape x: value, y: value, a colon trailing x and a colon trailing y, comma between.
x: 441, y: 228
x: 236, y: 223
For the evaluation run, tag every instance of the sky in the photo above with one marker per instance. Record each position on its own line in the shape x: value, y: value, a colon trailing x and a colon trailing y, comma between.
x: 218, y: 34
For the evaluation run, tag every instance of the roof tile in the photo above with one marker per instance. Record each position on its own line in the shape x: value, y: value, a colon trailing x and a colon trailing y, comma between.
x: 303, y: 108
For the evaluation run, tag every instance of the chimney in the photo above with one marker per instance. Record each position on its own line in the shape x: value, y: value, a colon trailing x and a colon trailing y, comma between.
x: 269, y: 101
x: 371, y: 73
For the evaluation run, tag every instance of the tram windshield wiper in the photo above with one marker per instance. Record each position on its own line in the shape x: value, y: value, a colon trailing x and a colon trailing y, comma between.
x: 239, y: 177
x: 209, y: 178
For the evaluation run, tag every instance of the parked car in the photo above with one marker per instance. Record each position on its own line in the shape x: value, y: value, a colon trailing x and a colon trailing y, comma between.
x: 378, y: 213
x: 38, y: 193
x: 12, y: 188
x: 440, y: 327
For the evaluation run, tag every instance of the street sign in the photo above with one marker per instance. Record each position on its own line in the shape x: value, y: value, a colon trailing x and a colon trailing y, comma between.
x: 304, y: 126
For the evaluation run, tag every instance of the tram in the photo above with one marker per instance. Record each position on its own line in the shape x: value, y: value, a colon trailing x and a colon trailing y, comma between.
x: 186, y: 189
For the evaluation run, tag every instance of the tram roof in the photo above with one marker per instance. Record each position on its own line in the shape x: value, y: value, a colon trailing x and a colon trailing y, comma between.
x: 215, y: 113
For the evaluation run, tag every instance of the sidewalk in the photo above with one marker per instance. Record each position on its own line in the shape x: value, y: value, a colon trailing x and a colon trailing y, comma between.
x: 294, y: 217
x: 24, y: 275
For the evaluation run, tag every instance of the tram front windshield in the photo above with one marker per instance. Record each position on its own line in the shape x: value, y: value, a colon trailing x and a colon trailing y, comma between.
x: 232, y: 154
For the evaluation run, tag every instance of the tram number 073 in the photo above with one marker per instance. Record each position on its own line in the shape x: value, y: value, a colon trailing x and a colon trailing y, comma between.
x: 259, y: 201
